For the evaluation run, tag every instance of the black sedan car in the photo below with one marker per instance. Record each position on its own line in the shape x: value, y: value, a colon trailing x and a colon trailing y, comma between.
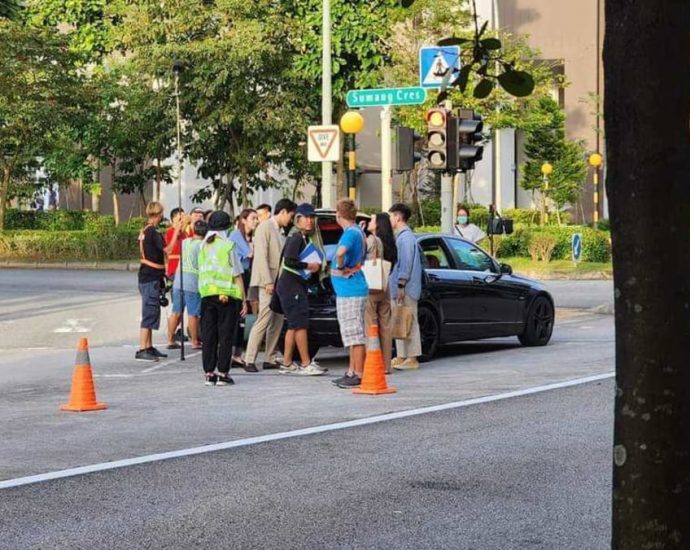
x: 466, y: 295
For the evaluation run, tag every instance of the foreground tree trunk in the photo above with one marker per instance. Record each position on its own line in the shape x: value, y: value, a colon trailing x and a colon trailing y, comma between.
x: 4, y: 192
x: 647, y: 82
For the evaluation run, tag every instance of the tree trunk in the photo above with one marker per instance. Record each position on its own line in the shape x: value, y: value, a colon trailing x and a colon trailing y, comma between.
x: 4, y: 192
x: 157, y: 188
x: 647, y: 83
x: 243, y: 182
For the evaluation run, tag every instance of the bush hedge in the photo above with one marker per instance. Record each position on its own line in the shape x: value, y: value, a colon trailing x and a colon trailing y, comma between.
x: 596, y: 244
x: 103, y: 244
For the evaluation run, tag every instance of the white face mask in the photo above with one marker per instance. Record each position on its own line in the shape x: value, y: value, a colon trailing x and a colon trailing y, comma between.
x: 462, y: 220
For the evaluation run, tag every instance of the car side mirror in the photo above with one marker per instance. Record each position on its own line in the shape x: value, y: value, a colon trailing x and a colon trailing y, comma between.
x: 505, y: 269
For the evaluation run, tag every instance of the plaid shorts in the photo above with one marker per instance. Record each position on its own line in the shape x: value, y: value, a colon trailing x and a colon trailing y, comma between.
x: 351, y: 320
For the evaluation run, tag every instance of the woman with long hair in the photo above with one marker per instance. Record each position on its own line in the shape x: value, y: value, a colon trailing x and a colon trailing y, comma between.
x: 247, y: 222
x: 381, y: 245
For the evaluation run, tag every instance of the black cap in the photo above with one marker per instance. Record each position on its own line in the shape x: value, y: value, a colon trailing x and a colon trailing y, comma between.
x: 219, y: 221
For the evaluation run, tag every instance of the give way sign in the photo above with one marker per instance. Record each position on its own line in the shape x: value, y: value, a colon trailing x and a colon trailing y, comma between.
x: 323, y: 143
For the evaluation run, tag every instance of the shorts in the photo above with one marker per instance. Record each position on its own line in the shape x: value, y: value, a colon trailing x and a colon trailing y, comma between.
x: 351, y: 320
x: 150, y: 304
x: 296, y: 310
x: 192, y: 301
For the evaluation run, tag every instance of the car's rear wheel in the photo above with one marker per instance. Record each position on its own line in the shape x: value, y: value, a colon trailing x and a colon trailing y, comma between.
x: 539, y: 323
x: 429, y: 331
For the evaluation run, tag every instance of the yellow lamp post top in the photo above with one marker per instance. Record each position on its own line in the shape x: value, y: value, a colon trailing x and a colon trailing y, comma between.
x: 595, y: 159
x: 352, y: 122
x: 546, y: 168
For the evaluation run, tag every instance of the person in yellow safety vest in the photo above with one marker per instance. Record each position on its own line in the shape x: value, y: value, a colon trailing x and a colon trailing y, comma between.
x: 222, y: 299
x: 190, y: 282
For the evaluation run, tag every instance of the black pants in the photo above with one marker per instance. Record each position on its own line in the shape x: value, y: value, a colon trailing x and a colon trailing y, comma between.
x: 218, y: 326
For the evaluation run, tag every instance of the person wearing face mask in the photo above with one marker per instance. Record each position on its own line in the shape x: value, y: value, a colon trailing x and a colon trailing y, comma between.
x: 467, y: 230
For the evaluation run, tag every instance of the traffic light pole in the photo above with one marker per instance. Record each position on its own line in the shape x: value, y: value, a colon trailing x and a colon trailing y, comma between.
x: 447, y: 203
x: 386, y: 160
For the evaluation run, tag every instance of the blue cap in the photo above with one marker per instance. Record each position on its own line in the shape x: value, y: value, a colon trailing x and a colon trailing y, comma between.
x: 305, y: 209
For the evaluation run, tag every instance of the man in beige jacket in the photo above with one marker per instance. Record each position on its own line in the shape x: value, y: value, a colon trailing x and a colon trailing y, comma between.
x: 268, y: 246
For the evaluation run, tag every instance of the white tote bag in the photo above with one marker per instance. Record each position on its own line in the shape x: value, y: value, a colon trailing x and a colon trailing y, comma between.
x: 376, y: 272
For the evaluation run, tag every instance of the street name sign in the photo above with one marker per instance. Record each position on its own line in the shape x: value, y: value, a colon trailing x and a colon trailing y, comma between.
x: 576, y: 246
x: 436, y: 64
x: 380, y: 97
x: 323, y: 143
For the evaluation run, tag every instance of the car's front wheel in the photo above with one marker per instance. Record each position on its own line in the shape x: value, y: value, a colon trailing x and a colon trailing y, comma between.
x: 429, y: 331
x: 539, y: 323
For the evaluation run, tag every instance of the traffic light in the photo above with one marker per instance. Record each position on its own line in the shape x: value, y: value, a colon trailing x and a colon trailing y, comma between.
x: 405, y: 154
x: 437, y: 138
x: 470, y: 126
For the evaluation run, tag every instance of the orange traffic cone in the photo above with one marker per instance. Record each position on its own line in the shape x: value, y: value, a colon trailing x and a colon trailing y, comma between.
x: 374, y: 377
x: 82, y: 397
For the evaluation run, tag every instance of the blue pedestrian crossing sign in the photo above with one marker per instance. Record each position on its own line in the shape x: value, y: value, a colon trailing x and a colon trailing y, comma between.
x: 576, y: 246
x: 438, y: 64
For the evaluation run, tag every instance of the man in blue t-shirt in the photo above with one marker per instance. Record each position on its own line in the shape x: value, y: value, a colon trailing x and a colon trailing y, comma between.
x: 351, y: 291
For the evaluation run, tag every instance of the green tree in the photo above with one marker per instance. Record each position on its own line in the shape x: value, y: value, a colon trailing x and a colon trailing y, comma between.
x: 39, y: 93
x: 243, y: 105
x: 547, y: 143
x: 87, y: 24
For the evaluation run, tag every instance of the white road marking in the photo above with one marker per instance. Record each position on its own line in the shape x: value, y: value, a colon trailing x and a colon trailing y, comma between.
x: 103, y: 466
x: 73, y: 325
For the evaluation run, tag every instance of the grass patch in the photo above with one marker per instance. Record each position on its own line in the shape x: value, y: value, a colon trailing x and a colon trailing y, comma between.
x: 558, y: 267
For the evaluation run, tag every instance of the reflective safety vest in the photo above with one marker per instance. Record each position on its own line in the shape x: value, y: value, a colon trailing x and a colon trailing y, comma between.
x: 190, y: 255
x: 216, y: 270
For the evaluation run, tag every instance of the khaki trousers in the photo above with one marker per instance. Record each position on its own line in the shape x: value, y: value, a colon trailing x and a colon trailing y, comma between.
x: 378, y: 312
x: 268, y: 324
x: 412, y: 345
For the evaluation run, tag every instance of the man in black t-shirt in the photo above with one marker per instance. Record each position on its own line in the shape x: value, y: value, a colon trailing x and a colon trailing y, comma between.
x: 151, y: 281
x: 292, y: 293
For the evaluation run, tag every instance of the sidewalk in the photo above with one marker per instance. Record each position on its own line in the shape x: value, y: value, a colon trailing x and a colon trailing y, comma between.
x: 122, y: 265
x: 133, y: 265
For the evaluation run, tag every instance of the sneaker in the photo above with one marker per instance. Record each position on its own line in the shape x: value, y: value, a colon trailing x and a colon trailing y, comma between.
x: 145, y: 355
x: 408, y: 364
x: 310, y: 370
x: 292, y: 368
x: 336, y: 381
x: 224, y: 380
x: 323, y: 369
x: 396, y: 361
x: 211, y: 379
x: 353, y: 381
x: 158, y: 353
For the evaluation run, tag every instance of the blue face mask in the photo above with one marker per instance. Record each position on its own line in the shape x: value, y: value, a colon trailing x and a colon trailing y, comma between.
x: 462, y: 220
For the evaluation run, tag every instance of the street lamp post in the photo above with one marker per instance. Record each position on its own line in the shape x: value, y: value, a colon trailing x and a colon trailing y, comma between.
x: 595, y: 161
x: 351, y: 123
x: 546, y: 170
x: 177, y: 68
x: 326, y: 102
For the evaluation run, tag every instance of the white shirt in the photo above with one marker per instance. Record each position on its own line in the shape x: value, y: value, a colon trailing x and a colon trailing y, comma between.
x: 470, y: 232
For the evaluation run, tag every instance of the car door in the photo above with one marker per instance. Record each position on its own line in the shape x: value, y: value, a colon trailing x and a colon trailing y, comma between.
x: 497, y: 298
x: 452, y: 289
